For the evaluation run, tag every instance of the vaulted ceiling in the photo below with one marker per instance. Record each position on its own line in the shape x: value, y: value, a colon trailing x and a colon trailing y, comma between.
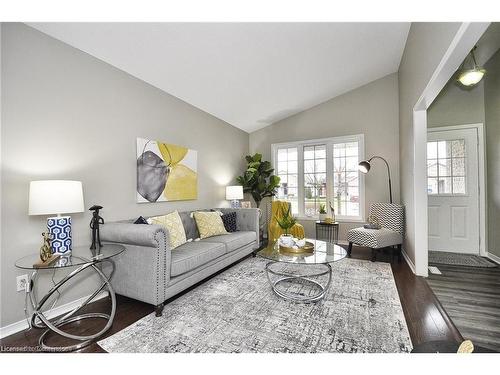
x: 247, y: 74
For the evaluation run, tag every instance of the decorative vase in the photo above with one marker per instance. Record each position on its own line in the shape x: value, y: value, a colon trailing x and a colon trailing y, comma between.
x: 322, y: 217
x: 59, y: 228
x: 286, y: 240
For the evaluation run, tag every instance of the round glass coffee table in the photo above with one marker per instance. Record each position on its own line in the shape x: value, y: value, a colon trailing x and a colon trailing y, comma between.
x: 81, y: 258
x: 304, y: 270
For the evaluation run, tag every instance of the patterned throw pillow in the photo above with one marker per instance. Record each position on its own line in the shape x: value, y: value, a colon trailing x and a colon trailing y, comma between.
x: 173, y: 223
x: 141, y: 220
x: 209, y: 224
x: 229, y: 220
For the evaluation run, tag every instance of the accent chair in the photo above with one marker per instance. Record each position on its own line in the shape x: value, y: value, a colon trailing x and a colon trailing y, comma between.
x: 390, y: 217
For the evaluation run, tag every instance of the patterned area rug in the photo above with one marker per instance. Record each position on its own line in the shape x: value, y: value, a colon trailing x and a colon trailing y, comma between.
x: 456, y: 259
x: 237, y: 311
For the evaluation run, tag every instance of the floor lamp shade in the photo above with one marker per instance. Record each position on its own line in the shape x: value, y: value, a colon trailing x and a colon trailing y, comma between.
x: 56, y: 197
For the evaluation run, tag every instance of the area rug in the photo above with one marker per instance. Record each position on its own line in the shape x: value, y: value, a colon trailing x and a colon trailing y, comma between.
x: 456, y: 259
x: 237, y: 311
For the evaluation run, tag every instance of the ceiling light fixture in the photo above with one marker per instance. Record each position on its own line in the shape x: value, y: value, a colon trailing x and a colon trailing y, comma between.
x: 470, y: 76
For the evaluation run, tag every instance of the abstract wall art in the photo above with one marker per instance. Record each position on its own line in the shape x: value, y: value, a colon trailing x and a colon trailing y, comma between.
x: 165, y: 172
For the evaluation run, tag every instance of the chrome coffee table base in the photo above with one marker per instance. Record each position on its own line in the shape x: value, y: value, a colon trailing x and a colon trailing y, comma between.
x: 283, y: 277
x: 39, y: 320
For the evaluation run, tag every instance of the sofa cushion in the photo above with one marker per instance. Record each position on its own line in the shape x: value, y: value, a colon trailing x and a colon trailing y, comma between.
x: 233, y: 241
x: 375, y: 238
x: 192, y: 255
x: 189, y: 225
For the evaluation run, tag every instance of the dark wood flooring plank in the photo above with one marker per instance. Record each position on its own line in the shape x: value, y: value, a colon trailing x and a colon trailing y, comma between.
x: 471, y: 297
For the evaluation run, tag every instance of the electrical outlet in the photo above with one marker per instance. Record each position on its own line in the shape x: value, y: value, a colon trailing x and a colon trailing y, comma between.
x: 22, y: 283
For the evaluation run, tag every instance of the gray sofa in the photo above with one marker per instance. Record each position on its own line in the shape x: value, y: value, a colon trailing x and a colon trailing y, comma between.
x: 151, y: 272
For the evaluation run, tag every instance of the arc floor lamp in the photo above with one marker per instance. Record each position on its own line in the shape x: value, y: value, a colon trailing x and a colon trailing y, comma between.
x: 365, y: 165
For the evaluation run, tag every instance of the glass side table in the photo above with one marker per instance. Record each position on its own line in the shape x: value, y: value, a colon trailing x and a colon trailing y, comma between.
x: 328, y: 232
x: 81, y: 259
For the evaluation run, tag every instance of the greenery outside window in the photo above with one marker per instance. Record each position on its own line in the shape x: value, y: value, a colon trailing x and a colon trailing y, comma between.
x: 321, y: 171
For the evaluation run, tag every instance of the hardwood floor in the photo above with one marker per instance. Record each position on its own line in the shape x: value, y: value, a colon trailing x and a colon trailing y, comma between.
x: 425, y: 317
x: 471, y: 297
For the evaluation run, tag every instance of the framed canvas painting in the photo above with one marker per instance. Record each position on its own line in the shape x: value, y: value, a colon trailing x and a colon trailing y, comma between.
x: 165, y: 172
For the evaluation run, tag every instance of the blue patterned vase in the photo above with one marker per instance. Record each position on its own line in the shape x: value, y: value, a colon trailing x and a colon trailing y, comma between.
x: 60, y: 231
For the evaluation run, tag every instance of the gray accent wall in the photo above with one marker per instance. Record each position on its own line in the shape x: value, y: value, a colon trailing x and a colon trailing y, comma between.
x: 426, y: 45
x: 456, y: 105
x: 492, y: 116
x: 371, y: 110
x: 68, y: 115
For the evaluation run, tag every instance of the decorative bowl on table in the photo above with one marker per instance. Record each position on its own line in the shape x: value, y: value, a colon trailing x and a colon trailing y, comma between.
x: 295, y: 246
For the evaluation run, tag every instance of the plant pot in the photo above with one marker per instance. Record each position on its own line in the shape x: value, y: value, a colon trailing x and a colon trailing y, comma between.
x: 322, y: 217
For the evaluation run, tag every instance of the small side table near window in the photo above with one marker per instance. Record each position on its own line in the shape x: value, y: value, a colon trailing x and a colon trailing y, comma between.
x: 327, y: 231
x: 81, y: 259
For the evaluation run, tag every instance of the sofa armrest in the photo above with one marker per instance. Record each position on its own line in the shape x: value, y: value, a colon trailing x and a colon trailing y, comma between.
x: 142, y: 271
x: 134, y: 234
x: 247, y: 219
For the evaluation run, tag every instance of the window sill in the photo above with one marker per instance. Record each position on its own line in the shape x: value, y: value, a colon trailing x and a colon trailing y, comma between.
x: 339, y: 220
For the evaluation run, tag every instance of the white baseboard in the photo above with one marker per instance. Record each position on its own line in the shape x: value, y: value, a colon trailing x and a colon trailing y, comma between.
x: 409, y: 262
x: 56, y: 311
x: 493, y: 257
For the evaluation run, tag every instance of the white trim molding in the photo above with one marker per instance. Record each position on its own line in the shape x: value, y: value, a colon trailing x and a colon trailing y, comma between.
x: 50, y: 314
x: 493, y: 257
x: 408, y: 261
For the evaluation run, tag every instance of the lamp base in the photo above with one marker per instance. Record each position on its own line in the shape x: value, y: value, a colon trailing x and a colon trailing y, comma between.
x: 59, y: 228
x: 235, y: 203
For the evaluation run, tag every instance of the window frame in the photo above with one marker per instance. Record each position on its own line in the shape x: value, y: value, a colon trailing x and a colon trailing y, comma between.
x: 329, y: 142
x: 465, y: 176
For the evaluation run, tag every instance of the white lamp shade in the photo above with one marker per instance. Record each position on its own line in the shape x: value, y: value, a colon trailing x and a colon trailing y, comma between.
x: 234, y: 192
x: 55, y: 197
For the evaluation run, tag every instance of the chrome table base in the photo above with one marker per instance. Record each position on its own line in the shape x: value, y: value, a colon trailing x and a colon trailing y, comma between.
x: 284, y: 277
x: 39, y: 320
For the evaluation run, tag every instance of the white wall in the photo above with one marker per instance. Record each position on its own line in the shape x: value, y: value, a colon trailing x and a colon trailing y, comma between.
x: 372, y: 110
x: 67, y: 115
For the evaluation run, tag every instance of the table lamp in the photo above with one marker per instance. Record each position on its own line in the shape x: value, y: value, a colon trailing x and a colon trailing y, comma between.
x: 56, y: 197
x: 233, y: 194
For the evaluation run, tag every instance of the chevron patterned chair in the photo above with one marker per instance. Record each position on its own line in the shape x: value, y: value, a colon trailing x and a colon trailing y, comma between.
x: 391, y: 218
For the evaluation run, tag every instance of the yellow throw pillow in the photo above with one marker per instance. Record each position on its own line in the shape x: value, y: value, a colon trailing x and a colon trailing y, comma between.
x: 173, y: 223
x: 209, y: 224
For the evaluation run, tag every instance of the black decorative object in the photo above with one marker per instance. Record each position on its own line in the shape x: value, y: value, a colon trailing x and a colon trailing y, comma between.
x: 94, y: 225
x: 141, y: 220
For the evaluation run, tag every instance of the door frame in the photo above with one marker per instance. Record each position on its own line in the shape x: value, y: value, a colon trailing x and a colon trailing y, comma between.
x: 465, y: 39
x: 482, y: 193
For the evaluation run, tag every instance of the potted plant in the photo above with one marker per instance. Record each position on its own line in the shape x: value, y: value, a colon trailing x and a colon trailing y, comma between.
x: 258, y: 180
x: 286, y: 222
x: 322, y: 212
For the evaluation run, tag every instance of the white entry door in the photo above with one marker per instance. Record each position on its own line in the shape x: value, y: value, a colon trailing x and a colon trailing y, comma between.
x: 453, y: 190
